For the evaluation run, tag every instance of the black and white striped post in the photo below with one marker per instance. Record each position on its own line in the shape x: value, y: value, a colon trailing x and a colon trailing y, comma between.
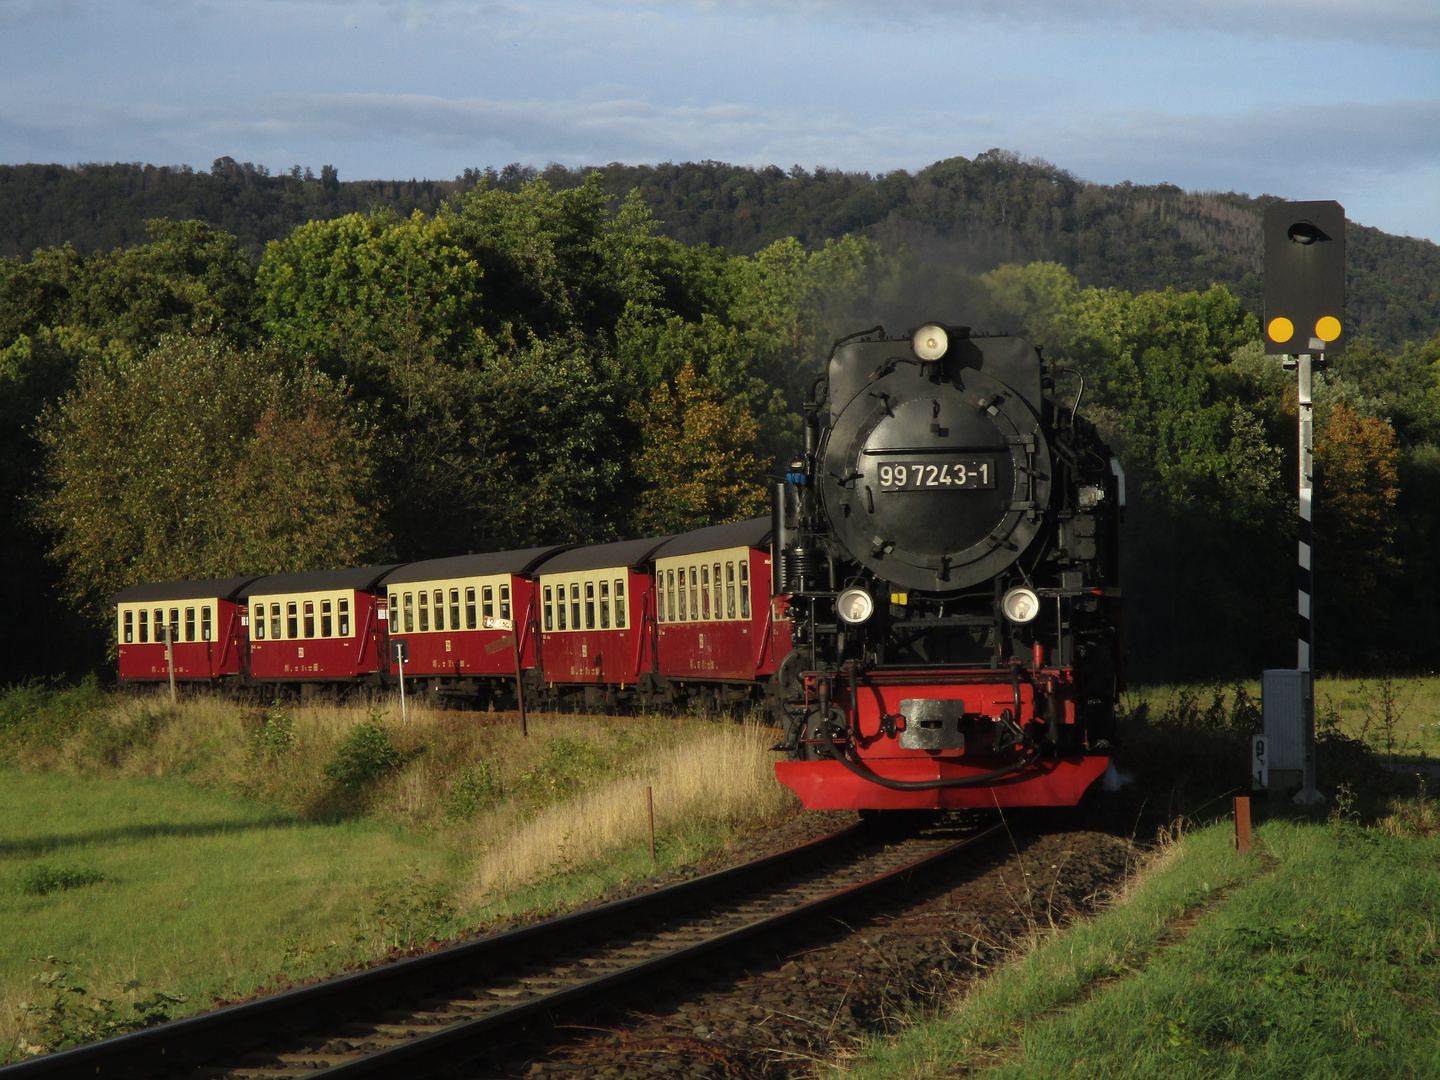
x: 1305, y: 573
x: 1304, y: 310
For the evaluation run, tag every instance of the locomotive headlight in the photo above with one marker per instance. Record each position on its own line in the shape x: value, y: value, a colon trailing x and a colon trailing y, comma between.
x: 1020, y: 605
x: 930, y: 342
x: 855, y: 606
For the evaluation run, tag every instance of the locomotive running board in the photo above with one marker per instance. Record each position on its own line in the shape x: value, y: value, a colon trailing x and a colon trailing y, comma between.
x: 828, y: 785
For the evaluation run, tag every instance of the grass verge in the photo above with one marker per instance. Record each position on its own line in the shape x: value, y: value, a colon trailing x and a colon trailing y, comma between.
x: 157, y: 859
x: 1314, y: 956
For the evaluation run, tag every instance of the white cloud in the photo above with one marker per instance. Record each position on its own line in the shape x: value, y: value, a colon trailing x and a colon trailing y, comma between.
x: 1408, y: 23
x: 1311, y: 151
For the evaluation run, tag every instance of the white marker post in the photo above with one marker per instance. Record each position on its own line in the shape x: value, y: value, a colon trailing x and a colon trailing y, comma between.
x: 399, y: 647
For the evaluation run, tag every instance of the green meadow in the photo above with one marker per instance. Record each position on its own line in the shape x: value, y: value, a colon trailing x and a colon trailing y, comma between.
x: 157, y: 860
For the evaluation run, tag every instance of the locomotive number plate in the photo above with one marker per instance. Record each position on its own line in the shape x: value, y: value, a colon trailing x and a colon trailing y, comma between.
x: 933, y: 474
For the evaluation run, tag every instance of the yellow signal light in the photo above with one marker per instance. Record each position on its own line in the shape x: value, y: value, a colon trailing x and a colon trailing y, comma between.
x: 1281, y: 329
x: 1328, y: 328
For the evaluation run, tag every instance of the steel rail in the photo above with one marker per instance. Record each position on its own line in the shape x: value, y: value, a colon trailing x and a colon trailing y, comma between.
x: 238, y: 1030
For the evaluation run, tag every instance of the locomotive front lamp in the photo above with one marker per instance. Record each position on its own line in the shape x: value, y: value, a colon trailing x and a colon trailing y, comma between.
x: 855, y: 606
x: 930, y: 342
x: 1020, y: 605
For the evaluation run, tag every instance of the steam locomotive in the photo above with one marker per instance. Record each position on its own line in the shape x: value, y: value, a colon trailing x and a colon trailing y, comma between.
x: 946, y: 551
x: 942, y: 624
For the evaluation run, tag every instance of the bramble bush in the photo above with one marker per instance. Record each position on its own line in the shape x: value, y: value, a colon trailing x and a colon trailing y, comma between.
x: 366, y: 756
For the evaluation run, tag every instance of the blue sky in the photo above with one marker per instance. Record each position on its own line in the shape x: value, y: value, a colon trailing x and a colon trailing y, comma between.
x: 1307, y: 100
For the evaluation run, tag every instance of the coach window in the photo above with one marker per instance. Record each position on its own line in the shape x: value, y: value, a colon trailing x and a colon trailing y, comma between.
x: 344, y: 617
x: 439, y: 609
x: 259, y: 621
x: 560, y: 606
x: 424, y: 611
x: 454, y: 609
x: 745, y: 588
x: 309, y: 618
x: 683, y: 607
x: 729, y: 590
x: 549, y: 608
x: 694, y: 593
x: 292, y: 620
x: 705, y: 592
x: 718, y: 597
x: 205, y: 623
x: 470, y: 608
x: 659, y: 595
x: 409, y: 613
x: 604, y: 605
x: 174, y: 630
x: 129, y: 627
x: 575, y: 605
x: 394, y: 613
x: 670, y: 588
x: 274, y: 620
x: 144, y: 626
x: 589, y: 605
x: 487, y: 601
x: 189, y: 624
x: 505, y: 601
x: 327, y: 620
x: 620, y: 603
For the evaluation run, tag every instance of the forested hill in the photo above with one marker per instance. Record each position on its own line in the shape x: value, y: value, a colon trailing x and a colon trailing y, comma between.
x: 972, y: 215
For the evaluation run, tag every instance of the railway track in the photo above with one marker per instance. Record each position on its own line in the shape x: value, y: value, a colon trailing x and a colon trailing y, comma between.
x: 420, y: 1015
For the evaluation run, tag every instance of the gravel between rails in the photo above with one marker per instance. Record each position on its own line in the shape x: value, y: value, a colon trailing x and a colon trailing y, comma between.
x: 779, y: 1015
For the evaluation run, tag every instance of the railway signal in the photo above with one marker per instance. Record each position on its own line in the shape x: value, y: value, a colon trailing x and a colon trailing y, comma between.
x: 1304, y: 277
x: 1305, y: 316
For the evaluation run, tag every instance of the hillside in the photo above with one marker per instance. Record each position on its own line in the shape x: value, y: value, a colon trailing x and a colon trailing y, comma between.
x: 974, y: 214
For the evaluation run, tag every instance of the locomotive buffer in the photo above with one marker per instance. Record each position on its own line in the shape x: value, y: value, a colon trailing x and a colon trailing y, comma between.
x: 1304, y: 316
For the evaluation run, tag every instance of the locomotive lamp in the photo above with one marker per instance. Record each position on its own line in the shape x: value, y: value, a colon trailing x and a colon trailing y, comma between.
x: 1020, y: 605
x: 855, y: 606
x: 930, y: 342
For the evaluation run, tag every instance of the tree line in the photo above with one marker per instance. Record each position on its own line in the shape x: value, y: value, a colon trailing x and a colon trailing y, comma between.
x: 533, y: 362
x: 976, y: 213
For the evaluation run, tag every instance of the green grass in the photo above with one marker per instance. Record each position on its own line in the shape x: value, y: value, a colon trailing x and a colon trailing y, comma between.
x: 203, y: 894
x: 1316, y: 956
x: 161, y: 859
x: 1392, y: 714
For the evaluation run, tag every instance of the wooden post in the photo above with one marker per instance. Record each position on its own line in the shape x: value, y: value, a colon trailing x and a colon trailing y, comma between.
x: 1242, y: 823
x: 519, y: 688
x: 170, y: 656
x: 650, y: 809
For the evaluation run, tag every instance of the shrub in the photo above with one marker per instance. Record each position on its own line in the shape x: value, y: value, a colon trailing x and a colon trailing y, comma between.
x: 475, y: 788
x: 109, y: 741
x: 366, y: 756
x: 564, y: 765
x: 275, y: 737
x: 41, y: 880
x: 44, y: 713
x: 412, y: 910
x: 73, y: 1016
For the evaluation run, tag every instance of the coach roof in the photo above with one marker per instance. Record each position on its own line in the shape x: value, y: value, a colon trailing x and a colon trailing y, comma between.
x: 634, y: 553
x: 753, y: 533
x: 220, y: 588
x: 463, y: 566
x: 354, y: 577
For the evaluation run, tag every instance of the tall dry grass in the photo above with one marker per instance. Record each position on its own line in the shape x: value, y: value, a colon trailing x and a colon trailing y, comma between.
x: 723, y: 776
